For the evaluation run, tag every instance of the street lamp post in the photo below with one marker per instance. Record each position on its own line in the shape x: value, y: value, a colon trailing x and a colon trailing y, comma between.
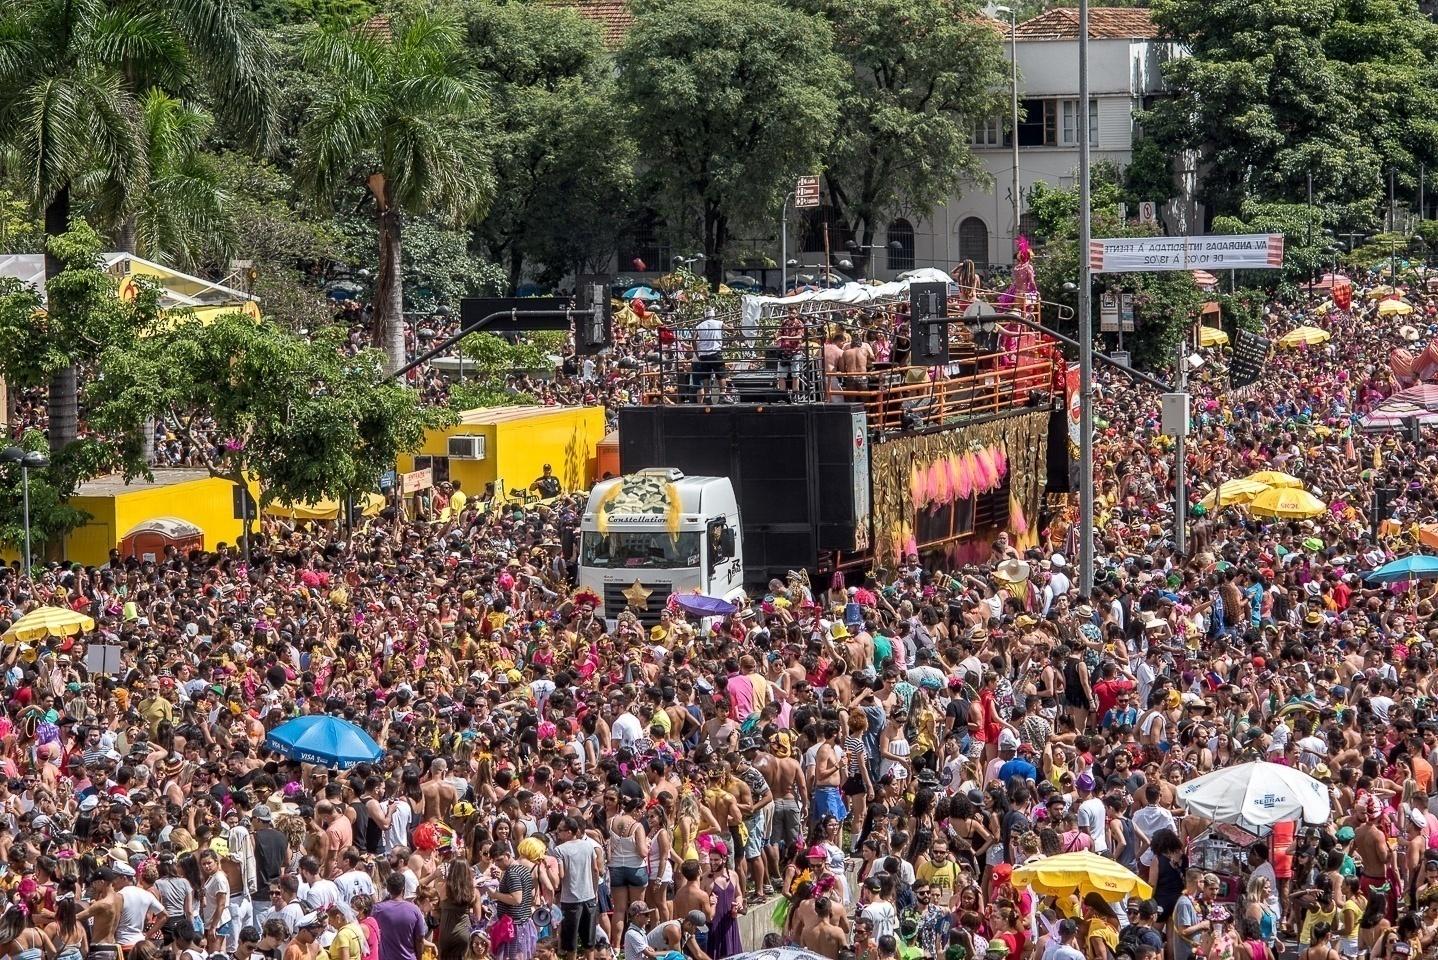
x: 28, y: 460
x: 1085, y: 324
x: 784, y: 244
x: 1014, y: 109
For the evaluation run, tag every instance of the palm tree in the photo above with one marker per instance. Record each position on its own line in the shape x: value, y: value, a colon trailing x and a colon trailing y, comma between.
x: 72, y: 75
x: 400, y: 113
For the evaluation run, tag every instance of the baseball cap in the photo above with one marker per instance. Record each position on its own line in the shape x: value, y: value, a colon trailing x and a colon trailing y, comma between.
x: 639, y: 908
x: 701, y: 922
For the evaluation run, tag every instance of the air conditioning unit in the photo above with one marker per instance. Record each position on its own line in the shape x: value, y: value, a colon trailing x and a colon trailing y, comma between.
x: 466, y: 448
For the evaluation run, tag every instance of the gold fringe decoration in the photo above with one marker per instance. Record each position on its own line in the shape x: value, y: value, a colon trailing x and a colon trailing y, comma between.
x: 1023, y: 438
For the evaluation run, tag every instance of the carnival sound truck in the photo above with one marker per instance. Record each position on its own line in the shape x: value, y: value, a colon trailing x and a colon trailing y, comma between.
x: 647, y: 535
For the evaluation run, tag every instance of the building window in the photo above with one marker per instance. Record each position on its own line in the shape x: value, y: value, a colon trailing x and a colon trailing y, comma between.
x: 974, y: 241
x: 902, y: 257
x: 1054, y: 123
x: 991, y: 133
x: 1071, y: 123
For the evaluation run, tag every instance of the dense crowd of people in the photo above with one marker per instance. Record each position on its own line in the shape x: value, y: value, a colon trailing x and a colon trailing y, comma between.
x: 854, y: 769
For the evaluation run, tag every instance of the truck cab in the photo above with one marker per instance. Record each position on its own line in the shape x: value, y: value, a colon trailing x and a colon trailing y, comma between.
x: 647, y: 535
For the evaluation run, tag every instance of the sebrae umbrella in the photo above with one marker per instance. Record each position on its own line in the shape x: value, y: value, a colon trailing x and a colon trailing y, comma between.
x: 48, y: 622
x: 1275, y: 478
x: 1256, y: 794
x: 1286, y: 503
x: 1082, y: 873
x: 1211, y: 337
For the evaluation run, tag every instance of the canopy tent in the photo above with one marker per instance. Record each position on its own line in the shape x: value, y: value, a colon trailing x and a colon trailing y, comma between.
x: 1256, y: 794
x: 1419, y: 400
x: 178, y: 290
x: 848, y: 294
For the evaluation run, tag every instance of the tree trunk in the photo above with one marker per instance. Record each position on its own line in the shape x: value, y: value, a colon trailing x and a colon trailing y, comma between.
x: 64, y: 400
x: 716, y: 236
x: 389, y: 292
x: 516, y: 268
x: 125, y: 234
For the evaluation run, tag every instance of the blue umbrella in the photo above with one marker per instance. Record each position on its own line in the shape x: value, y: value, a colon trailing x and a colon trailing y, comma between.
x: 327, y: 741
x: 702, y: 606
x: 1415, y: 567
x: 641, y: 293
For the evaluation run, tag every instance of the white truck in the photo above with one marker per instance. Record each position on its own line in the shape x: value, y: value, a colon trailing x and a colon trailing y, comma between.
x: 647, y: 535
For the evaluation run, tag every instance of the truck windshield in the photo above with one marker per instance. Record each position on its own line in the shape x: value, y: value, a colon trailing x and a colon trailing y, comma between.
x: 640, y: 549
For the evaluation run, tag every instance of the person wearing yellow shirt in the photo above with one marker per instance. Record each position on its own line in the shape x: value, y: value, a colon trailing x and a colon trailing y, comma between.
x: 154, y: 708
x: 349, y: 941
x: 457, y: 500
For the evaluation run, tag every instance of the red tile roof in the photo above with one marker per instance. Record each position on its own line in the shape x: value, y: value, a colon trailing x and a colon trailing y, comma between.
x: 1104, y: 23
x: 612, y: 16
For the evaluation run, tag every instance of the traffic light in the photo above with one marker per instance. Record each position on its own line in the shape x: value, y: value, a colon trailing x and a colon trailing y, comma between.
x: 594, y: 316
x: 929, y: 324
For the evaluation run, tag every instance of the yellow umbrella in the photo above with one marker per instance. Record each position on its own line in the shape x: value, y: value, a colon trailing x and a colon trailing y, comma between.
x: 1275, y: 478
x: 1379, y: 292
x: 1394, y: 308
x: 1234, y: 492
x: 1286, y: 503
x: 1308, y: 335
x: 368, y: 504
x: 1211, y: 337
x: 1082, y: 873
x: 48, y: 622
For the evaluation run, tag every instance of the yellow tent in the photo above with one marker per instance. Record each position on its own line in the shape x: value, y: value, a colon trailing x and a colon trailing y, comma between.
x: 1234, y: 492
x: 1081, y: 873
x: 1302, y: 335
x: 369, y: 504
x: 48, y: 622
x: 1275, y: 478
x: 1211, y: 337
x: 1286, y: 503
x: 1394, y: 308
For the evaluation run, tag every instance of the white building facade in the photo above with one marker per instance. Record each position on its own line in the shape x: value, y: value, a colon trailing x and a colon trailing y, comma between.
x: 977, y: 223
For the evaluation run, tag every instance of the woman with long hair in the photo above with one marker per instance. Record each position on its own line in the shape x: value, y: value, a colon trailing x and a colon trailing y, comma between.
x: 68, y: 935
x: 457, y: 903
x: 627, y: 852
x: 661, y: 862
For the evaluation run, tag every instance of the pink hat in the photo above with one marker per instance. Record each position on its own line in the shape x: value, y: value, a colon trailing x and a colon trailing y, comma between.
x: 817, y: 852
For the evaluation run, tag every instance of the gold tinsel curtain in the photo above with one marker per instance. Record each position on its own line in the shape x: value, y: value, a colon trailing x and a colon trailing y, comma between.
x: 1023, y: 438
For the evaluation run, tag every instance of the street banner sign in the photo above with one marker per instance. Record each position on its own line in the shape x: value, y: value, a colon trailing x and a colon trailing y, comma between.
x: 806, y: 192
x: 1256, y: 251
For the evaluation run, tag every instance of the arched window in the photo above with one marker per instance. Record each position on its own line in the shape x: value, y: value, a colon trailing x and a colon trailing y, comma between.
x: 901, y: 257
x: 974, y: 241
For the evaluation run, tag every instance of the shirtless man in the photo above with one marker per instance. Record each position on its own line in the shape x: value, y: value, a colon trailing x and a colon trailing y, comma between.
x: 786, y: 784
x: 825, y: 789
x: 854, y: 364
x: 103, y: 914
x: 829, y: 935
x: 720, y: 732
x: 690, y: 894
x: 1370, y: 846
x: 438, y: 791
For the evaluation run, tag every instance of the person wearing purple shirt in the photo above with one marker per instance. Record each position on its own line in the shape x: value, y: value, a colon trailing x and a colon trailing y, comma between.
x: 401, y: 925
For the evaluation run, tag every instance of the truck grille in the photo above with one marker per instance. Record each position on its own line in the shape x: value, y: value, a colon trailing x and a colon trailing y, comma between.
x: 615, y: 603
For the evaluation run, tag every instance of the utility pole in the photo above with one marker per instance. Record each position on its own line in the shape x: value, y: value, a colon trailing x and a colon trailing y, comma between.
x: 1180, y: 465
x: 1309, y: 240
x: 1085, y: 324
x: 1422, y: 196
x: 1392, y: 209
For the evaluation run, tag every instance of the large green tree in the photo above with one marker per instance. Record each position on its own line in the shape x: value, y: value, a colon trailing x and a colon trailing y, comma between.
x: 920, y: 73
x: 563, y: 161
x: 72, y: 73
x: 1273, y: 91
x: 300, y: 414
x: 400, y: 113
x: 730, y: 101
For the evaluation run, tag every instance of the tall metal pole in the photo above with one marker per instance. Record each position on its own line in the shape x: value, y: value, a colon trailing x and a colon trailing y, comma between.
x: 1422, y: 195
x: 25, y: 488
x: 1014, y: 113
x: 784, y: 247
x: 1085, y: 325
x: 1180, y: 465
x: 1392, y: 210
x: 1309, y: 240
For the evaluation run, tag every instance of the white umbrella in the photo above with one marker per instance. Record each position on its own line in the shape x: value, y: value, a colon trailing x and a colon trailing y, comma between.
x: 1258, y: 794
